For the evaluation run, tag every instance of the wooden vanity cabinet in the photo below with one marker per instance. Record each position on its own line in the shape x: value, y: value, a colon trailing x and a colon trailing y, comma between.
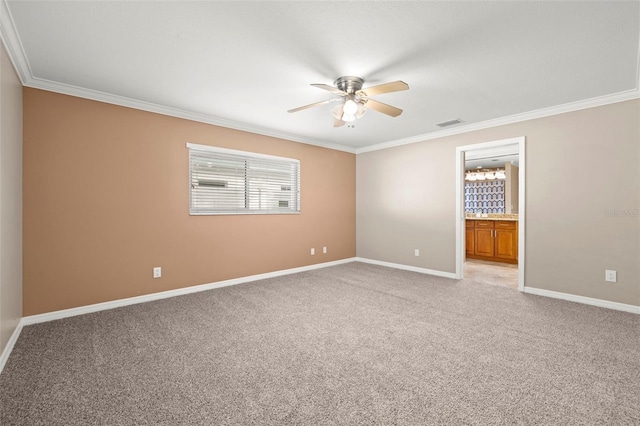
x: 506, y: 240
x: 494, y: 240
x: 470, y: 237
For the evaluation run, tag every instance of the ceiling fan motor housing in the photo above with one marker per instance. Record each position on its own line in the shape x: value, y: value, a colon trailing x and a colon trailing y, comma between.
x: 349, y: 84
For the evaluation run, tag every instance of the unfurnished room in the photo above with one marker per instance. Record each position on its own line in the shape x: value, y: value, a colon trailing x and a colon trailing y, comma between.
x: 319, y: 212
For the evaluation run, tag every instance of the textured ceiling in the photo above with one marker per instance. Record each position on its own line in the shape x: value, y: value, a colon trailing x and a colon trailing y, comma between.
x: 244, y: 64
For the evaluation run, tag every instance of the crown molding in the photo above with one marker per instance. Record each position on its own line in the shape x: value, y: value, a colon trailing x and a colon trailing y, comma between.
x: 65, y: 89
x: 12, y: 44
x: 95, y: 95
x: 516, y: 118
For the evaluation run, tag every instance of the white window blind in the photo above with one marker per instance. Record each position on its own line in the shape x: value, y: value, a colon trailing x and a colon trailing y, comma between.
x: 226, y: 181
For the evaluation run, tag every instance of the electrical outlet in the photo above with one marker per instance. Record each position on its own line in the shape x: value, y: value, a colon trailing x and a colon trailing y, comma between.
x: 157, y: 272
x: 416, y: 252
x: 324, y: 250
x: 610, y: 276
x: 313, y: 251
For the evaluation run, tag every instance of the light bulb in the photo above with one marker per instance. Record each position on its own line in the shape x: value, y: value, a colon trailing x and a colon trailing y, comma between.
x: 350, y: 108
x: 348, y: 117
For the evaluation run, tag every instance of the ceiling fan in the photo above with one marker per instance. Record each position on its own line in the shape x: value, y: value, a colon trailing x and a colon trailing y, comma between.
x: 354, y: 100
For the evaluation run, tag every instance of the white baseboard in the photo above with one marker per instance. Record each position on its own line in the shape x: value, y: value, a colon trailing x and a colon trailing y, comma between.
x: 585, y: 300
x: 50, y: 316
x: 531, y: 290
x: 451, y: 275
x: 9, y: 346
x: 65, y: 313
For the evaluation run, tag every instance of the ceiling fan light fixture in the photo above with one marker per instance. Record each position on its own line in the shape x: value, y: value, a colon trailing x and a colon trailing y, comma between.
x: 341, y: 111
x: 356, y: 101
x: 350, y: 107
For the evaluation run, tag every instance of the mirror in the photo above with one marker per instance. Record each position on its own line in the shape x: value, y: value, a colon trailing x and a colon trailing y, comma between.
x: 491, y: 183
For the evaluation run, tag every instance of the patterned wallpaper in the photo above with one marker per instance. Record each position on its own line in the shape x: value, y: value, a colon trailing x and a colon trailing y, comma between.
x: 484, y: 196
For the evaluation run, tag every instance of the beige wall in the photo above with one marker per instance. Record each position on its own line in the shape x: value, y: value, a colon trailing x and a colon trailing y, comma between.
x: 10, y: 199
x: 106, y: 200
x: 582, y: 201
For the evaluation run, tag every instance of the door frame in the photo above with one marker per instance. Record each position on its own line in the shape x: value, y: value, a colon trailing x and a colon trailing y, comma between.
x: 460, y: 208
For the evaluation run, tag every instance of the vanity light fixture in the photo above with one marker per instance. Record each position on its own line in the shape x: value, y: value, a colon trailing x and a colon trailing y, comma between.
x: 485, y: 174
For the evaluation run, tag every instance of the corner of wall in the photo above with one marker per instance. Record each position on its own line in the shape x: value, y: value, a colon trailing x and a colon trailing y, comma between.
x: 10, y: 202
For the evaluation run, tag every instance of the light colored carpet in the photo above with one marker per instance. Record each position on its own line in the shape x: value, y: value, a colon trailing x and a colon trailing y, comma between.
x: 354, y: 344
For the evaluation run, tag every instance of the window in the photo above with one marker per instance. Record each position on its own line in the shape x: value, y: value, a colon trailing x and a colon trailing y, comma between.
x: 226, y: 181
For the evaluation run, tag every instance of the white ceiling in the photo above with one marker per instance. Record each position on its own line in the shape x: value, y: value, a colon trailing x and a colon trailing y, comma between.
x: 244, y: 64
x: 490, y: 158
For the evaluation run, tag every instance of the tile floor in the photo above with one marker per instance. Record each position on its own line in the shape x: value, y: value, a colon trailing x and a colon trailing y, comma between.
x: 492, y: 273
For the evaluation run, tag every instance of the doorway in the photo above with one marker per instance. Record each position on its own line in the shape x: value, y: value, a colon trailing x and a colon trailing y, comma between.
x: 515, y: 146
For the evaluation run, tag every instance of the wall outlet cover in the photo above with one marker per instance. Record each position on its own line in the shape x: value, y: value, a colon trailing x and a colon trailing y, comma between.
x: 610, y: 276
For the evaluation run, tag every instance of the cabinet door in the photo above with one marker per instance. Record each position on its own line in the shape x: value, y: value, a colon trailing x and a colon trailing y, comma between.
x: 506, y: 244
x: 470, y: 241
x: 484, y: 242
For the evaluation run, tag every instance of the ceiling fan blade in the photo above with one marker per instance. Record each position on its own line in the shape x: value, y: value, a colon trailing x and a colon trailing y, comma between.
x: 311, y: 105
x: 383, y: 108
x: 338, y: 123
x: 330, y: 89
x: 394, y: 86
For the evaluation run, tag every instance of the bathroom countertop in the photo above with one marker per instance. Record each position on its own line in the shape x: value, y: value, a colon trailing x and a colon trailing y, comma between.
x: 493, y: 216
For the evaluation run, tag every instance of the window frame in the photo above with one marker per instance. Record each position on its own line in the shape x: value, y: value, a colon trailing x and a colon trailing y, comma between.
x: 252, y: 169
